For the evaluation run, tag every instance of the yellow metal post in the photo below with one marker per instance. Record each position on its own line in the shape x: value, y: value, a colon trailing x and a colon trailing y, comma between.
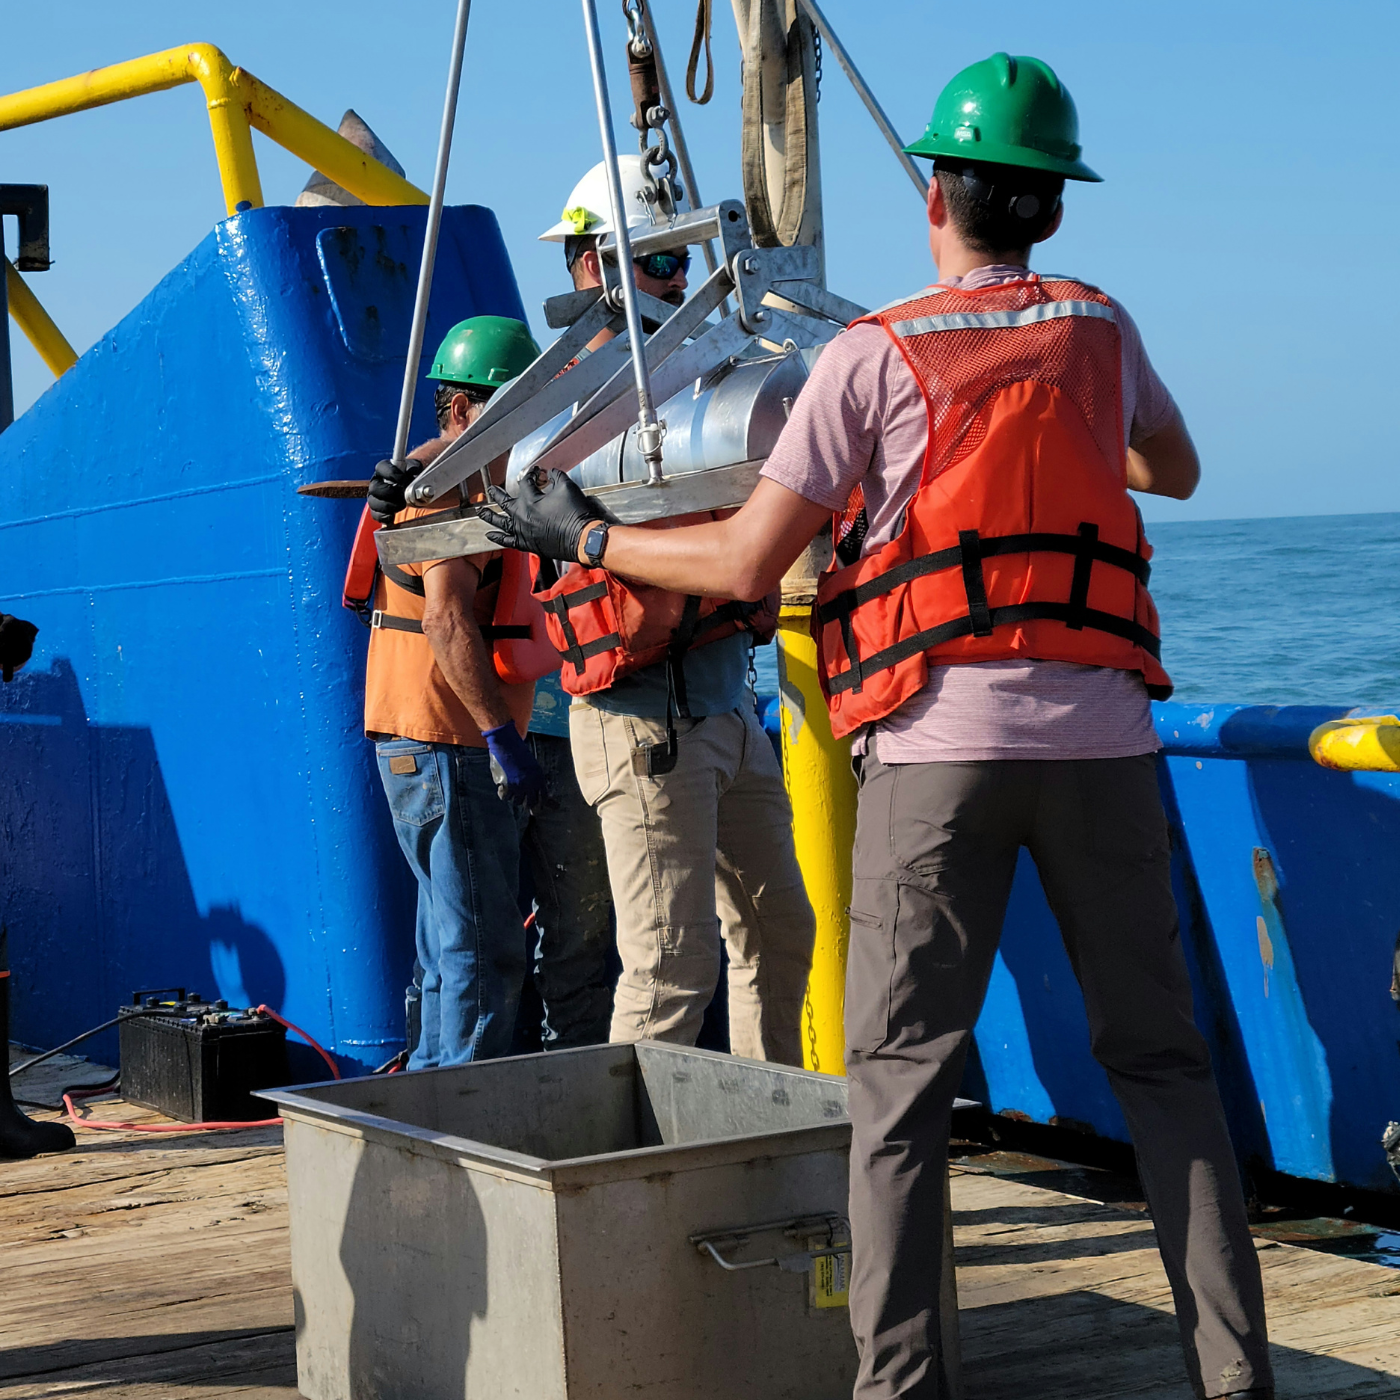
x: 817, y: 770
x: 228, y: 123
x: 37, y: 325
x: 236, y: 101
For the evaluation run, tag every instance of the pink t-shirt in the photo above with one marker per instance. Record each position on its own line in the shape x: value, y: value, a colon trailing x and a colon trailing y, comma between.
x: 861, y: 421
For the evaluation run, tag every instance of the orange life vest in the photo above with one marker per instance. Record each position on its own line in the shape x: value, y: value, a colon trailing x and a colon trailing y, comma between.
x: 515, y: 628
x: 1021, y: 541
x: 606, y: 628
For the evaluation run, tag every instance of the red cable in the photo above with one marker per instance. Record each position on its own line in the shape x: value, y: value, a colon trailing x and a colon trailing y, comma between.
x: 282, y: 1020
x: 108, y: 1125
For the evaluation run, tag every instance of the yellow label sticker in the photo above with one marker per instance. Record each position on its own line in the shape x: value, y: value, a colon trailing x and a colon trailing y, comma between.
x: 831, y: 1280
x: 403, y: 763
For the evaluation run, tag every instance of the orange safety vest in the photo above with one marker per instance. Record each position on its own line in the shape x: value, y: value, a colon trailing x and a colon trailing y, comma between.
x: 520, y: 645
x: 607, y: 628
x: 1021, y: 541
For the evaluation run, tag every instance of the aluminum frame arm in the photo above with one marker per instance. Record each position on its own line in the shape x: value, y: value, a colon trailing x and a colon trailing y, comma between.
x: 778, y: 301
x: 670, y: 337
x: 752, y: 274
x: 453, y: 533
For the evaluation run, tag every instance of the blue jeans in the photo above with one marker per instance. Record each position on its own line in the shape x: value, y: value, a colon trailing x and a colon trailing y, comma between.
x: 462, y: 843
x: 568, y: 867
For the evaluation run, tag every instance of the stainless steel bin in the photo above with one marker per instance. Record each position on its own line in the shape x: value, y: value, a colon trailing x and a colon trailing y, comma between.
x: 572, y: 1226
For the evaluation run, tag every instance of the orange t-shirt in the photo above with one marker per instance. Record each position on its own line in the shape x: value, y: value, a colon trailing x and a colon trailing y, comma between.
x: 405, y: 692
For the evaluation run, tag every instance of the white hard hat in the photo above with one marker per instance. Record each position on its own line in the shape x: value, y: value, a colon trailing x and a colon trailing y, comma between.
x: 587, y: 210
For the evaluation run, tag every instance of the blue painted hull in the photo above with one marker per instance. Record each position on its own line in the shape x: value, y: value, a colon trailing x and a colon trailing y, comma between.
x: 187, y: 797
x: 1287, y: 877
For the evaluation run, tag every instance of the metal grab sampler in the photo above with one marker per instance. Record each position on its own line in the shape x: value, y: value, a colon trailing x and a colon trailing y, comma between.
x: 685, y: 347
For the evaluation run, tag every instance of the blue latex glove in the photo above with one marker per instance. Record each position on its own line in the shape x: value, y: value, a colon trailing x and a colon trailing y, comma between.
x: 518, y: 777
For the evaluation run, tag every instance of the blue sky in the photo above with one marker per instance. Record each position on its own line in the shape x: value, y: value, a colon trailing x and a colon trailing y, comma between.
x: 1248, y: 214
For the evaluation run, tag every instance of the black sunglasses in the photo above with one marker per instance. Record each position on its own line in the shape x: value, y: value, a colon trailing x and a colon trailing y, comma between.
x: 663, y: 266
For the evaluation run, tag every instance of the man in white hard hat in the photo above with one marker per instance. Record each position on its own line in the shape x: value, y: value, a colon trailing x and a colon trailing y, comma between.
x: 586, y: 218
x: 669, y: 751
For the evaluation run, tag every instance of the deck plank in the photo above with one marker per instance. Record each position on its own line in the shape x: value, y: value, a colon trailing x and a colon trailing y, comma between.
x: 157, y: 1268
x: 1066, y: 1299
x: 144, y: 1267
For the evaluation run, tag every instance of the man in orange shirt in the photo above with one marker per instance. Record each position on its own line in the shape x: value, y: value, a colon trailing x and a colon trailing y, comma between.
x: 441, y: 719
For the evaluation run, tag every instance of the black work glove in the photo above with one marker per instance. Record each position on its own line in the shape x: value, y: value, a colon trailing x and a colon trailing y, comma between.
x: 549, y: 522
x: 386, y: 491
x: 16, y: 643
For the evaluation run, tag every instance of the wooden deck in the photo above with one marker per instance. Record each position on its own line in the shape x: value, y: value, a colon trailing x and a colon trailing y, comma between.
x: 156, y: 1268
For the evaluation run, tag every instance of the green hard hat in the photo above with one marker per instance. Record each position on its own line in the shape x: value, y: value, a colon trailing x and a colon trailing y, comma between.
x: 484, y: 350
x: 1007, y: 111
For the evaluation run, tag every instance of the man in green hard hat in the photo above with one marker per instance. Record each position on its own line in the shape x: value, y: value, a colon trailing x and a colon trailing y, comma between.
x: 443, y: 718
x: 987, y: 640
x: 563, y: 841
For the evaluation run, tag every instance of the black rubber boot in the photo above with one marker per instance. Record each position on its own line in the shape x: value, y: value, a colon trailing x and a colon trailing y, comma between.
x: 21, y: 1136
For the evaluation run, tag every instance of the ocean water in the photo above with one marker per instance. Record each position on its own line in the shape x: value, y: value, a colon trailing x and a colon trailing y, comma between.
x: 1293, y: 611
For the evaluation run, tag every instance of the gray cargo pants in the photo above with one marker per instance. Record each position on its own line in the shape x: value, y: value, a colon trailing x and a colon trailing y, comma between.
x: 936, y: 849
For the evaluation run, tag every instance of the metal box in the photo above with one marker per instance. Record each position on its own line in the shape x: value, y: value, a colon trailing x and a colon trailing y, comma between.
x: 553, y: 1226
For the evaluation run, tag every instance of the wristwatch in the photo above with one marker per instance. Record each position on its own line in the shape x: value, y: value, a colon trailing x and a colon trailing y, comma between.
x: 595, y: 541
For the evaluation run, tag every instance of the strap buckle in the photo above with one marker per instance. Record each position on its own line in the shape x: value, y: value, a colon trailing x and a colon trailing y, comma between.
x: 376, y: 618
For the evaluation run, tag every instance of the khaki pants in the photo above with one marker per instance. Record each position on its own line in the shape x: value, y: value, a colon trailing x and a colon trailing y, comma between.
x: 936, y: 849
x: 706, y: 845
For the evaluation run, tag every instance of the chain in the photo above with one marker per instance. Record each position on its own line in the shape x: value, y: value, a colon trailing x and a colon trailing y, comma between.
x: 810, y: 1016
x: 817, y: 59
x: 637, y: 40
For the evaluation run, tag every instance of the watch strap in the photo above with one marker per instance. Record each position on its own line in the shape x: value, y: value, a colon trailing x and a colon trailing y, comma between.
x: 595, y: 541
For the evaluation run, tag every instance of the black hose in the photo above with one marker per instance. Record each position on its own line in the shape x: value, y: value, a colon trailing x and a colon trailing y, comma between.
x: 87, y: 1035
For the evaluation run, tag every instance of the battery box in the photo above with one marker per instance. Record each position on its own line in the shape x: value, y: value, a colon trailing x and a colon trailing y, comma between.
x: 196, y: 1060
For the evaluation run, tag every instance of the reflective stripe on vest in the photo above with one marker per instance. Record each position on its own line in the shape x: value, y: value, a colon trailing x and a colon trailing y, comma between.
x: 489, y: 630
x: 1001, y: 320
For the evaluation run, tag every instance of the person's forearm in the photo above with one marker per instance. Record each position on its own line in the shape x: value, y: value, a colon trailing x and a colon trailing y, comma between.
x: 700, y: 559
x: 742, y: 557
x: 465, y: 660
